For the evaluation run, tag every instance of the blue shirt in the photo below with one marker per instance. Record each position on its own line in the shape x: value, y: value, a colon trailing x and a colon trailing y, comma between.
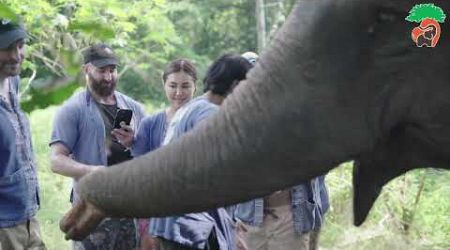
x: 150, y: 134
x: 309, y: 202
x: 19, y: 190
x: 79, y: 126
x: 191, y: 229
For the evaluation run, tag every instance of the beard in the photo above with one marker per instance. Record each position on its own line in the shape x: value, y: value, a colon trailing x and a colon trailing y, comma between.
x: 9, y: 69
x: 101, y: 87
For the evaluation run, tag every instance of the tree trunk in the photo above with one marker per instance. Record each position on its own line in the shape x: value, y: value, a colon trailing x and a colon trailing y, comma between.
x: 260, y: 24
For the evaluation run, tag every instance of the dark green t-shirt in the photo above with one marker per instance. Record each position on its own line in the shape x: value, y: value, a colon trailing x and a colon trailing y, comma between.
x: 117, y: 152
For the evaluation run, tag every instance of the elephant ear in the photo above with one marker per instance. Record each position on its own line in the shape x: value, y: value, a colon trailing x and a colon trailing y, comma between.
x: 400, y: 153
x: 370, y: 174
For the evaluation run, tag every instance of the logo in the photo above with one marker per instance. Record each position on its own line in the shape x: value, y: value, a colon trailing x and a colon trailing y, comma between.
x: 428, y: 16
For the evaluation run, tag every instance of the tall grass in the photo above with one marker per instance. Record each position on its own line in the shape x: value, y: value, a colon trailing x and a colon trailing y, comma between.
x: 428, y: 225
x: 54, y: 189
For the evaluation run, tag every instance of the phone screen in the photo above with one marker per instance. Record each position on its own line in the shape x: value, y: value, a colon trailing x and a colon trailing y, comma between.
x: 123, y: 115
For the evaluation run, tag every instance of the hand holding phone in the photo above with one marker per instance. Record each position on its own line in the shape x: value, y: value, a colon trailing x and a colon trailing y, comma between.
x: 124, y: 135
x: 123, y: 115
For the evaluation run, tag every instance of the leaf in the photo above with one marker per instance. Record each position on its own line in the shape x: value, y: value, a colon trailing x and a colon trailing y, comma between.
x: 71, y: 61
x: 7, y: 13
x: 127, y: 26
x: 40, y: 99
x: 61, y: 20
x: 95, y: 29
x: 27, y: 64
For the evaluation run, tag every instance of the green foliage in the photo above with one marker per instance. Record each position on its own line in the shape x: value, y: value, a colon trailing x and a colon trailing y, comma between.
x: 44, y: 98
x: 102, y: 32
x: 424, y: 11
x: 215, y: 27
x: 402, y: 217
x: 140, y: 32
x: 7, y: 13
x: 54, y: 189
x: 146, y: 34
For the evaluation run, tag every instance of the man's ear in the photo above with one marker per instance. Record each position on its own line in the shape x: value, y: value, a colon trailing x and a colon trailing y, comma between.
x: 85, y: 68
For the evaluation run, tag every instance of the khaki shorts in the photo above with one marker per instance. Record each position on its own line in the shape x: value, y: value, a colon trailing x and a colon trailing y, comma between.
x: 277, y: 232
x: 26, y: 235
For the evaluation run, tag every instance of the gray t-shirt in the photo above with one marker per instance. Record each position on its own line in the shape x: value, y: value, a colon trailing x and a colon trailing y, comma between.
x: 116, y: 152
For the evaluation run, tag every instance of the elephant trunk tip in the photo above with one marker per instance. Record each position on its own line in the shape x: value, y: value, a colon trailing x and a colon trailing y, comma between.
x: 358, y: 219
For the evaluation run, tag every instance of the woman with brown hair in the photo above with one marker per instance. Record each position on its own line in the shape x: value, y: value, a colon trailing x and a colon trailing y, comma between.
x: 179, y: 79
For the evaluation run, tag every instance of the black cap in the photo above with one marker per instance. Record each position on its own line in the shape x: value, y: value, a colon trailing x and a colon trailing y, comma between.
x: 10, y: 32
x: 100, y: 55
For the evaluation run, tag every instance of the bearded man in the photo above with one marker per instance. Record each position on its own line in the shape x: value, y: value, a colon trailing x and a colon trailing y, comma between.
x: 84, y: 139
x: 19, y: 196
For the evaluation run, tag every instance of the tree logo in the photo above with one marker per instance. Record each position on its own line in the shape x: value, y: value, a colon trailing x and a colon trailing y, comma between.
x: 429, y: 31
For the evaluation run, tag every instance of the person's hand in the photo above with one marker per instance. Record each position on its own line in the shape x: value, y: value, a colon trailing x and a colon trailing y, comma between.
x: 241, y: 229
x: 81, y: 220
x: 149, y: 242
x: 125, y: 135
x: 86, y: 169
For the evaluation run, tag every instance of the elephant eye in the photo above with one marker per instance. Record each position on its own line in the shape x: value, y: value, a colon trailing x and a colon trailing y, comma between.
x: 389, y: 14
x: 384, y: 17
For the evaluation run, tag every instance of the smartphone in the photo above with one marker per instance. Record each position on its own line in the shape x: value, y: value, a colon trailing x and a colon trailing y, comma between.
x: 123, y: 115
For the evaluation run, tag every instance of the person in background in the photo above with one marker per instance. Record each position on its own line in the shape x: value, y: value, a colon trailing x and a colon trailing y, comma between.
x: 178, y: 79
x: 84, y: 139
x: 213, y: 229
x: 19, y: 189
x: 287, y: 219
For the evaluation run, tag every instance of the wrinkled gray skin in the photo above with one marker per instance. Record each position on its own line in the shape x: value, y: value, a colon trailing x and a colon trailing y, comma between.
x: 341, y: 81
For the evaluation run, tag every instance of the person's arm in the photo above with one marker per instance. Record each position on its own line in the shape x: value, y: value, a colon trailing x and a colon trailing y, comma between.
x: 142, y: 141
x: 126, y: 134
x: 200, y: 113
x: 61, y: 163
x: 63, y: 140
x: 205, y: 112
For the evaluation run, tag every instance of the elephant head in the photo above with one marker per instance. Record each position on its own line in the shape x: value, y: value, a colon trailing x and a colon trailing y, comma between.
x: 341, y: 81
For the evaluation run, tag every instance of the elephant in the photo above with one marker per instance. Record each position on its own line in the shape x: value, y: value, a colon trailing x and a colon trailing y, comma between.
x: 342, y: 80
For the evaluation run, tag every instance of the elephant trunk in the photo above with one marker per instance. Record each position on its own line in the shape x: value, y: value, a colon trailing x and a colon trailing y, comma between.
x: 292, y: 120
x: 286, y: 124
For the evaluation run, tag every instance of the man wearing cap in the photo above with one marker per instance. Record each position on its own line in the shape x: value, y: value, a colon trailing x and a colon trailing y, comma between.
x: 83, y: 139
x: 19, y: 198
